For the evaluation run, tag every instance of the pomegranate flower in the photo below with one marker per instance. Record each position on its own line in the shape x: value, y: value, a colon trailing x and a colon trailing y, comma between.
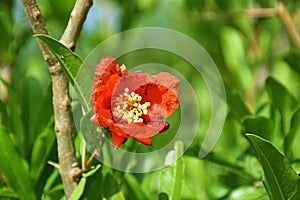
x: 132, y: 104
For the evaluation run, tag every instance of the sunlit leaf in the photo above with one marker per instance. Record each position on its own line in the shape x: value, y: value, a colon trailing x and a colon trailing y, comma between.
x: 79, y: 189
x: 235, y: 57
x: 281, y: 181
x: 171, y: 177
x: 70, y: 63
x: 248, y: 193
x: 7, y: 192
x: 92, y: 171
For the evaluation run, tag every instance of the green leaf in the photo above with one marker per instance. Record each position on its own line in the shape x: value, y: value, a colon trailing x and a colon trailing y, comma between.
x: 7, y: 192
x: 281, y: 181
x: 79, y: 189
x: 171, y: 176
x: 71, y: 64
x: 57, y: 192
x: 194, y: 182
x: 235, y: 57
x: 42, y: 148
x: 111, y: 186
x: 260, y: 126
x: 93, y: 188
x: 237, y: 107
x: 92, y: 171
x: 91, y: 133
x: 282, y: 100
x: 290, y: 141
x: 82, y: 183
x: 248, y: 193
x: 69, y: 60
x: 15, y: 120
x: 15, y: 167
x: 135, y: 187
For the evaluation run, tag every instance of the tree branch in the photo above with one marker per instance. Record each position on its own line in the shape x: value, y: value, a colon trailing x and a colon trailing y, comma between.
x: 61, y: 101
x: 289, y: 24
x: 77, y: 17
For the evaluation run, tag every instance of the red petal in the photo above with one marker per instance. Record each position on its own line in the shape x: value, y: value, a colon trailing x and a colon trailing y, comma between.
x: 116, y: 128
x: 146, y: 141
x: 107, y: 74
x: 103, y: 118
x: 168, y: 85
x: 165, y: 128
x: 169, y: 81
x: 143, y: 130
x: 133, y: 81
x: 117, y: 140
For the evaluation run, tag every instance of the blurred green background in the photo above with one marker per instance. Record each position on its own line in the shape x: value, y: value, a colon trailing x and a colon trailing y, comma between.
x: 259, y: 63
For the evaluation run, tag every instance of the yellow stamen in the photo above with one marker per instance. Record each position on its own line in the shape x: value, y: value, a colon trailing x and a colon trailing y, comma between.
x: 129, y: 107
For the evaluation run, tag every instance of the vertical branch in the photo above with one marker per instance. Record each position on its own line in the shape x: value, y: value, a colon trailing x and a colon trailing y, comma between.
x: 61, y: 101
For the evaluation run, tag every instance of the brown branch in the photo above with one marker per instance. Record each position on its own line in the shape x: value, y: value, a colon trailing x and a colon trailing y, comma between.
x: 287, y: 20
x: 61, y: 101
x: 75, y: 23
x: 260, y: 12
x: 280, y: 10
x: 250, y: 12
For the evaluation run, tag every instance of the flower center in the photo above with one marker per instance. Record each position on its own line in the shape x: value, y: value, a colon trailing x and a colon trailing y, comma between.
x: 129, y: 107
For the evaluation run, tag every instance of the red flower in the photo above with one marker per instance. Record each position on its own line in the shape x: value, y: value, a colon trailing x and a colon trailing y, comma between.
x: 132, y: 104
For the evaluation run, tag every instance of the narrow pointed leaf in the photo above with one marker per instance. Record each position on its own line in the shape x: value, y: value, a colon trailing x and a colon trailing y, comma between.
x: 281, y: 181
x: 79, y: 189
x: 15, y: 167
x: 171, y: 177
x: 92, y: 171
x: 290, y: 141
x: 71, y: 65
x: 283, y: 100
x: 135, y: 186
x: 237, y: 107
x: 70, y: 61
x: 42, y: 148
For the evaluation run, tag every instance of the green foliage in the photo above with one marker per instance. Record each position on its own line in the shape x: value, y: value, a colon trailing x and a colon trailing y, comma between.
x: 281, y: 181
x: 15, y: 167
x: 170, y: 183
x: 82, y: 183
x: 257, y: 155
x: 71, y: 64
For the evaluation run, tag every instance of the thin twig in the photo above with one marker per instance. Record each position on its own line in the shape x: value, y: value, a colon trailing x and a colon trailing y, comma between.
x: 287, y: 20
x: 260, y: 12
x: 83, y: 157
x: 250, y: 12
x: 54, y: 164
x: 280, y: 10
x: 61, y: 101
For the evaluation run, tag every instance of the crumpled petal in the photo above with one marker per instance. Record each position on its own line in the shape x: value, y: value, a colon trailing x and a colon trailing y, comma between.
x: 117, y: 140
x: 107, y: 75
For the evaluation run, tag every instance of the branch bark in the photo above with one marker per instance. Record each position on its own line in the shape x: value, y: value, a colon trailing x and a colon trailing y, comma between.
x: 64, y: 126
x: 289, y: 24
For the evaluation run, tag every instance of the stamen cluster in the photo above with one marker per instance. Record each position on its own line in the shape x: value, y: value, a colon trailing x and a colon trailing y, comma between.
x: 129, y: 107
